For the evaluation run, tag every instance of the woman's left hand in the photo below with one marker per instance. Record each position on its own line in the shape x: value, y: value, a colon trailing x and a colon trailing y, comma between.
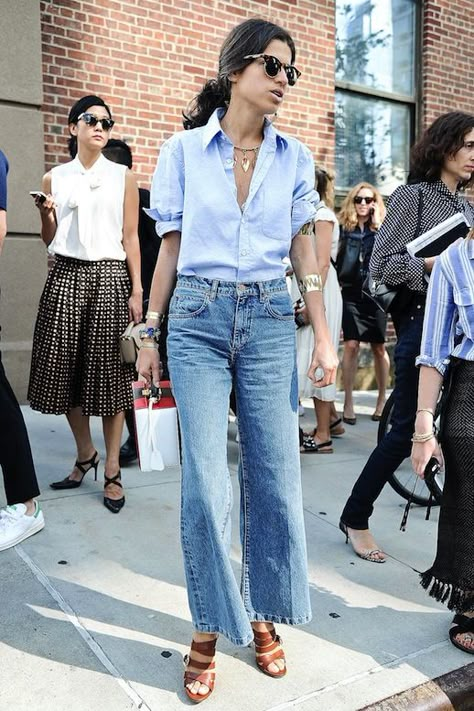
x: 421, y: 453
x: 135, y: 308
x: 324, y: 362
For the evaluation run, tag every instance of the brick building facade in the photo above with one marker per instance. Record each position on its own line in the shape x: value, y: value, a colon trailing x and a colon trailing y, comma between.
x: 148, y: 58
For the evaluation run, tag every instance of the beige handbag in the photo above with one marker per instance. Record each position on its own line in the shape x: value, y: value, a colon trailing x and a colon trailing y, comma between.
x: 130, y: 342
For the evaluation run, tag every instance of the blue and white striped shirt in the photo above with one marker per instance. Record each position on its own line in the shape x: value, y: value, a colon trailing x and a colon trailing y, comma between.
x: 194, y: 192
x: 448, y: 328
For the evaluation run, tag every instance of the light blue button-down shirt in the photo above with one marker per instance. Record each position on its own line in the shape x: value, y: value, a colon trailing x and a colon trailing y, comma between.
x: 448, y: 328
x: 194, y: 192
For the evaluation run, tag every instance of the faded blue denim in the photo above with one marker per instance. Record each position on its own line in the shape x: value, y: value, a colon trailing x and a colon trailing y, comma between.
x: 223, y: 334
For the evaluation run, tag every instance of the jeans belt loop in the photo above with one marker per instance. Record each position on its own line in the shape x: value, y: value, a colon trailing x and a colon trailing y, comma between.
x: 214, y: 287
x: 262, y: 290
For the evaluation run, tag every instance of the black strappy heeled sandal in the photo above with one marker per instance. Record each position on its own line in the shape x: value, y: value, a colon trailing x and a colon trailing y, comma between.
x: 68, y: 483
x: 114, y: 505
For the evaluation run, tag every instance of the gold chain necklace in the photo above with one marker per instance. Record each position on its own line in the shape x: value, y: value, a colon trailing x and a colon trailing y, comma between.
x: 245, y: 162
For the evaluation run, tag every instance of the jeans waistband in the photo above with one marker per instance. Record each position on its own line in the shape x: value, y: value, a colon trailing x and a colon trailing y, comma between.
x: 217, y: 286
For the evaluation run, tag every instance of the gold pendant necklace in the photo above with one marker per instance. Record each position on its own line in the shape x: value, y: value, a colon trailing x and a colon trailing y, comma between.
x: 245, y: 162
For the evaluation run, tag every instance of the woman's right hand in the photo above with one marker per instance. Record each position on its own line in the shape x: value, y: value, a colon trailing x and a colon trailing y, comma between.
x: 46, y: 207
x: 148, y: 366
x: 421, y: 453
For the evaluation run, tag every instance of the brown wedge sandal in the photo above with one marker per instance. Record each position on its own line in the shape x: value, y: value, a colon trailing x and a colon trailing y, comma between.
x: 207, y: 676
x: 268, y: 648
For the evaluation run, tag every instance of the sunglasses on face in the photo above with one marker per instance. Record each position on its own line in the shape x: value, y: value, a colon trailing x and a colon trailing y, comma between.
x: 272, y: 67
x: 91, y: 120
x: 359, y: 200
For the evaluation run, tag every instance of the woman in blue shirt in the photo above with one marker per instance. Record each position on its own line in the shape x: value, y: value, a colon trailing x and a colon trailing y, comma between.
x: 232, y: 196
x: 448, y: 339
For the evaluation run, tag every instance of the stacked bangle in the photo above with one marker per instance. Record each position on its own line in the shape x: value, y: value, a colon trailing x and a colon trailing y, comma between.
x: 420, y: 437
x: 154, y: 316
x: 149, y: 344
x: 310, y: 282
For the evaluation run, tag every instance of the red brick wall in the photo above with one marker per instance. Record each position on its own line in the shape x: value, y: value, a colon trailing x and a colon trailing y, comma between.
x: 148, y: 59
x: 448, y: 67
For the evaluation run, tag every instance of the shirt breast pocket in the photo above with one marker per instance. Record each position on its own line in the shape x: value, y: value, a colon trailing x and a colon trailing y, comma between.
x: 277, y: 214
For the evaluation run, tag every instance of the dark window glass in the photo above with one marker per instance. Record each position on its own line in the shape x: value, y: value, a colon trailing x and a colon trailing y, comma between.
x: 372, y: 141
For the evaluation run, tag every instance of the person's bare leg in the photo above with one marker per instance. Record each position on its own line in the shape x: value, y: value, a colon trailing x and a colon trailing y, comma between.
x: 349, y: 369
x: 323, y: 418
x: 112, y: 426
x: 80, y: 428
x: 195, y: 687
x: 382, y: 371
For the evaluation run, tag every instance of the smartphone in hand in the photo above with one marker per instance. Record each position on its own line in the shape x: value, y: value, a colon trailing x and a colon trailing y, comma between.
x: 38, y: 194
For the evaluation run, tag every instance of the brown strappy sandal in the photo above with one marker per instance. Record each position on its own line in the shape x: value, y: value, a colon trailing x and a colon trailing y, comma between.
x: 268, y: 649
x: 207, y: 676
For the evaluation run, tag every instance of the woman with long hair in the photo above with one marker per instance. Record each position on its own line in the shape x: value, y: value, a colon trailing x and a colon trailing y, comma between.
x: 89, y: 222
x: 360, y: 216
x: 232, y: 197
x: 441, y: 164
x: 326, y: 239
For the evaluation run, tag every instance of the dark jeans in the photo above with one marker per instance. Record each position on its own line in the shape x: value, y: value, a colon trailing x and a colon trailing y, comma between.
x: 396, y: 445
x: 15, y: 453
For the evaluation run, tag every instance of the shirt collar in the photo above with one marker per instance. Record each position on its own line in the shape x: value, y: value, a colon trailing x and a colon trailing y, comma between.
x: 94, y: 167
x: 213, y: 128
x: 441, y: 187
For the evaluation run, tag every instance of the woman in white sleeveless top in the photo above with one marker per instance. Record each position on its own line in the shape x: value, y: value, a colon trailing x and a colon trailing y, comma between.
x: 89, y: 222
x: 326, y: 240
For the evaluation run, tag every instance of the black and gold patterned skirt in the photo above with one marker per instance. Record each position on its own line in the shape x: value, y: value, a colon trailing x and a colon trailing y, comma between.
x: 451, y: 578
x: 75, y: 362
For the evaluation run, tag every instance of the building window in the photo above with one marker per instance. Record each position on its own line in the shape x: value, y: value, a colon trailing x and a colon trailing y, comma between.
x: 376, y: 48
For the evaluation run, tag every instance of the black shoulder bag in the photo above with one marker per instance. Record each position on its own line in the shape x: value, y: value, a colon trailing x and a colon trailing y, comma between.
x: 388, y: 297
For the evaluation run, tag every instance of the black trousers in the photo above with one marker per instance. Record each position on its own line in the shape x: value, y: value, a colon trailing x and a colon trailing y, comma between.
x: 396, y: 445
x: 19, y: 474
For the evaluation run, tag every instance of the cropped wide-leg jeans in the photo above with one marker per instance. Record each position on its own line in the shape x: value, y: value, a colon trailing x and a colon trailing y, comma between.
x: 225, y: 335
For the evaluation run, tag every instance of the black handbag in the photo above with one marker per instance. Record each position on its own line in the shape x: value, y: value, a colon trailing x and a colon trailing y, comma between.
x: 348, y: 260
x: 389, y: 297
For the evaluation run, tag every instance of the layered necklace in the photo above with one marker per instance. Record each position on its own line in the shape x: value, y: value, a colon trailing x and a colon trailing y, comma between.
x: 245, y: 161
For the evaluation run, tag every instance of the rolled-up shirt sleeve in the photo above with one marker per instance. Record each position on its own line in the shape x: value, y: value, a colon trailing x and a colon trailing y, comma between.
x: 305, y: 197
x: 439, y: 325
x: 167, y: 188
x: 390, y: 262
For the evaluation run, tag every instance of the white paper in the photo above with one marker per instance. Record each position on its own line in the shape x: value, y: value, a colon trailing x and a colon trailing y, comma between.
x: 157, y: 437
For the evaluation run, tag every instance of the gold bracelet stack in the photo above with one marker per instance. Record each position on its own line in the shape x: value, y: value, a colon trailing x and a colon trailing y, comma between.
x: 149, y: 344
x: 154, y: 316
x: 310, y: 282
x: 421, y: 437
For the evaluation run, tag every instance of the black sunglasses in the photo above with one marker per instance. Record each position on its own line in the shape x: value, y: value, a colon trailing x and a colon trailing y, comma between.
x: 91, y: 120
x: 272, y: 67
x: 359, y: 200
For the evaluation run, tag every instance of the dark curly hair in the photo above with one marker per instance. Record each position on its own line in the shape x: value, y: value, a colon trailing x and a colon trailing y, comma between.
x: 444, y: 138
x: 250, y: 37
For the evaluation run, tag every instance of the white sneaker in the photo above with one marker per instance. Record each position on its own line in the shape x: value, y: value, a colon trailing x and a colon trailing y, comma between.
x: 15, y: 525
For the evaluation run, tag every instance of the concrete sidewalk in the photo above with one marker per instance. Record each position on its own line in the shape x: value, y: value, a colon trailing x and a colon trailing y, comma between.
x: 94, y: 611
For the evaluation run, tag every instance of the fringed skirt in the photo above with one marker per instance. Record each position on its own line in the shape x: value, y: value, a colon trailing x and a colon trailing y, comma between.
x: 451, y: 578
x: 75, y: 361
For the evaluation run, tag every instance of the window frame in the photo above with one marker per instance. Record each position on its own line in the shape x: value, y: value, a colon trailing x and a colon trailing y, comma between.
x: 413, y: 101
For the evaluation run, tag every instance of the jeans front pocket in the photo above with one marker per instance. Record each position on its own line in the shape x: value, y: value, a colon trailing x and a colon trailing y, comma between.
x: 187, y: 303
x: 278, y: 305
